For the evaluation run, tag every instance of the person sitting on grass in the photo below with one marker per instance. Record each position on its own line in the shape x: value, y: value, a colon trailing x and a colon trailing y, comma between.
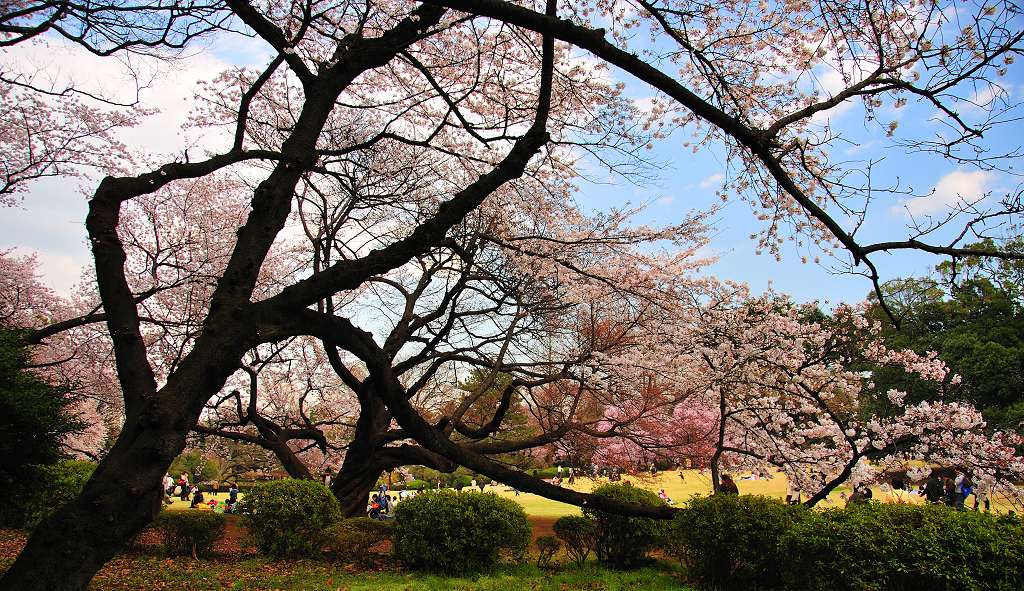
x: 728, y: 486
x: 198, y: 500
x: 860, y: 495
x: 663, y: 496
x: 374, y: 509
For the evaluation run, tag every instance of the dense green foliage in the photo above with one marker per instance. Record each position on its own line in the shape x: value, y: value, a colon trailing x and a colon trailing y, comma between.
x: 623, y: 542
x: 55, y: 486
x: 730, y: 541
x: 748, y: 542
x: 37, y: 416
x: 579, y: 534
x: 903, y: 548
x: 547, y: 547
x: 190, y: 533
x: 351, y: 540
x: 289, y: 517
x: 198, y: 466
x: 445, y: 531
x: 977, y: 329
x: 460, y: 477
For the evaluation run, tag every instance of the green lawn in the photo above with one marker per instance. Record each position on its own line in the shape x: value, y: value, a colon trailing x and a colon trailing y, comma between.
x: 134, y: 572
x: 261, y: 574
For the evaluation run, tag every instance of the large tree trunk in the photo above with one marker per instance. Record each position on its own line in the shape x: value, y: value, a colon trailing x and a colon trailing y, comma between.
x: 716, y: 475
x: 361, y: 469
x: 353, y: 484
x: 121, y: 498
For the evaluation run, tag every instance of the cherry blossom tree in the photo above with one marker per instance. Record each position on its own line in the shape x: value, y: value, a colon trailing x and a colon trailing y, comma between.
x: 419, y: 136
x: 774, y: 387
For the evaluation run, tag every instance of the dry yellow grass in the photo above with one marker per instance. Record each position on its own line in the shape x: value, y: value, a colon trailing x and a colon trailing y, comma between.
x: 678, y: 489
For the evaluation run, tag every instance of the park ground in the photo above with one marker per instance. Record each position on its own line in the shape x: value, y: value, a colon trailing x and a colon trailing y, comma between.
x: 238, y: 566
x: 692, y: 482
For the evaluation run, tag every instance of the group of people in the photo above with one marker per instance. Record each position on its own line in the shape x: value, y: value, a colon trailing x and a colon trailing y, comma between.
x: 954, y: 491
x: 382, y: 504
x: 197, y: 500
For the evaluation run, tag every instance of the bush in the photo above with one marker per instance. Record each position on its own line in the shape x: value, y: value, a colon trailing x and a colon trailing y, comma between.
x: 545, y: 473
x: 579, y: 534
x: 449, y: 532
x: 417, y: 485
x: 288, y: 517
x: 903, y: 548
x: 190, y: 532
x: 57, y: 485
x: 623, y: 542
x: 352, y: 539
x: 547, y: 547
x: 729, y: 541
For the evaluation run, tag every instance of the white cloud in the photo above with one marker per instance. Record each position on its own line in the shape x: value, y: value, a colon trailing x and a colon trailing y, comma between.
x: 857, y: 148
x: 712, y: 181
x: 957, y: 187
x: 53, y: 222
x: 645, y: 105
x: 830, y: 81
x: 983, y: 98
x: 60, y: 271
x: 166, y: 85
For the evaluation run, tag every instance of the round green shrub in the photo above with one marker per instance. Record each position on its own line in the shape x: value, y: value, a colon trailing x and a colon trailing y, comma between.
x: 579, y: 534
x: 546, y: 473
x: 351, y: 539
x: 449, y: 532
x: 903, y: 548
x: 190, y: 532
x: 288, y: 517
x: 730, y: 541
x: 623, y: 542
x: 58, y: 484
x: 547, y: 547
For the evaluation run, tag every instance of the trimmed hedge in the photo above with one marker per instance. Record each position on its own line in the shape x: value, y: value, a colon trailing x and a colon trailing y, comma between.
x: 623, y: 542
x: 579, y: 534
x: 730, y: 541
x: 288, y: 517
x: 748, y: 542
x: 449, y: 532
x: 352, y: 539
x: 903, y: 548
x: 190, y: 532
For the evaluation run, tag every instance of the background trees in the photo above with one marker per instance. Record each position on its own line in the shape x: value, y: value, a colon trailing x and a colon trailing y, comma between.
x: 973, y: 321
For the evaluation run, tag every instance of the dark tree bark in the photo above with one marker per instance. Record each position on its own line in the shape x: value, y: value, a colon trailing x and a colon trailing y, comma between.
x: 124, y: 495
x: 121, y: 498
x: 361, y: 469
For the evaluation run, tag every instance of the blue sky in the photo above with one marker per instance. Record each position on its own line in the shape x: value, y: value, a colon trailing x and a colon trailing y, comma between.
x: 51, y: 221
